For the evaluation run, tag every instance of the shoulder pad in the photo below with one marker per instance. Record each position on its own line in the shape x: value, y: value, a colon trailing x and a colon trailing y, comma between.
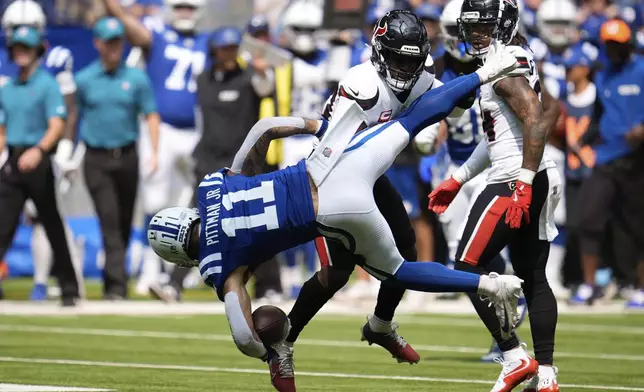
x: 525, y: 58
x: 360, y: 84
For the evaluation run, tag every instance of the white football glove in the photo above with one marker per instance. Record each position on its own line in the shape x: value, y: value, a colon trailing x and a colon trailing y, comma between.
x: 69, y: 158
x: 498, y: 62
x: 426, y: 139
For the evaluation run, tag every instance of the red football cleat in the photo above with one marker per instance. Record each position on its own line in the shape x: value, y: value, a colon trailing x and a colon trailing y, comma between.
x: 392, y: 342
x: 281, y: 368
x: 514, y: 373
x: 543, y: 382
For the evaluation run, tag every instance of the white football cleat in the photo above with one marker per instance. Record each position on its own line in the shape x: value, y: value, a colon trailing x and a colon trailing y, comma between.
x: 544, y: 381
x: 518, y: 366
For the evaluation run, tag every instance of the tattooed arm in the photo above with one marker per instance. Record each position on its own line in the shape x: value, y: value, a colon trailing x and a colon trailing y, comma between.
x: 524, y: 102
x: 250, y: 158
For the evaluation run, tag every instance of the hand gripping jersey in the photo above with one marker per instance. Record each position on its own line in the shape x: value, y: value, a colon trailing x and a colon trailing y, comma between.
x: 57, y: 61
x: 503, y: 130
x: 463, y: 133
x: 173, y: 63
x: 247, y: 220
x: 364, y: 85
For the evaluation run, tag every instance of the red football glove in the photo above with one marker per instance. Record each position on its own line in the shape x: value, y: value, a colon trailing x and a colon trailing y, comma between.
x: 519, y: 205
x: 442, y: 196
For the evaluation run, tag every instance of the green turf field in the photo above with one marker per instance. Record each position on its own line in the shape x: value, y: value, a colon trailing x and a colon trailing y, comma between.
x: 194, y: 353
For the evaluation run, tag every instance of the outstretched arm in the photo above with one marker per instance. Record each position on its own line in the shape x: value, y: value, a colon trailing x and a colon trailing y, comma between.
x: 252, y: 153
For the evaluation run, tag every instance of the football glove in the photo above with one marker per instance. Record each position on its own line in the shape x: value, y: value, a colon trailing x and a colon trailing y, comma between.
x: 442, y: 196
x: 519, y: 208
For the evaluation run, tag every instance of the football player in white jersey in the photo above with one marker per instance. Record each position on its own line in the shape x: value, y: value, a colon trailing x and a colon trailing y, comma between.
x: 58, y: 61
x: 175, y: 53
x: 384, y: 87
x: 463, y: 135
x: 516, y: 209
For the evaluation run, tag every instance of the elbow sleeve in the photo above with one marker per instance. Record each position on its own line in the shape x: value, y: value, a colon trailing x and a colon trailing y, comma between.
x: 242, y: 334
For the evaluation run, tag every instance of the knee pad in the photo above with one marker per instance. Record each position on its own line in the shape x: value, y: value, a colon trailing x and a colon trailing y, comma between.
x: 333, y: 279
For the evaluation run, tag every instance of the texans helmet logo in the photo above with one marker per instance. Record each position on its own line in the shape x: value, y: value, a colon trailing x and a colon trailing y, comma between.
x: 380, y: 30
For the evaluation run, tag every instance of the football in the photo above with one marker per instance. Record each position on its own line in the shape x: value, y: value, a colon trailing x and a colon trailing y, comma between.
x: 271, y: 324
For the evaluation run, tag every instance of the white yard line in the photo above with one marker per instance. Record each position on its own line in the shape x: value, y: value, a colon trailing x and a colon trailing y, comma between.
x: 46, y: 388
x: 304, y: 342
x: 299, y: 373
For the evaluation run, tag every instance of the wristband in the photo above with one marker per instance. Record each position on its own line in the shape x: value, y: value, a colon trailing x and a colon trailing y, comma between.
x: 460, y: 175
x: 526, y: 176
x: 323, y: 125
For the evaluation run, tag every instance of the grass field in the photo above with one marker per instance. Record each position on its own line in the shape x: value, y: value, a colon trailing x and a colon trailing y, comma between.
x: 195, y: 353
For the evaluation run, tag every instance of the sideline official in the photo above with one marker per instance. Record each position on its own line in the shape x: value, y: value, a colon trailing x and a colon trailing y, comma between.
x: 111, y: 96
x: 31, y: 123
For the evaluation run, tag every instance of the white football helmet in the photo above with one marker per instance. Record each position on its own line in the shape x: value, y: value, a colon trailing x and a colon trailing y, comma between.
x: 557, y: 22
x: 184, y: 24
x: 24, y: 13
x: 169, y: 234
x: 449, y: 31
x: 299, y: 21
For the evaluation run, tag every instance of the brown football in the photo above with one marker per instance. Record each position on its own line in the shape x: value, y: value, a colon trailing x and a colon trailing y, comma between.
x: 271, y: 324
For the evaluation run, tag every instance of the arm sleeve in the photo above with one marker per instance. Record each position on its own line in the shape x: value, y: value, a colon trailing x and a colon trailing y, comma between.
x: 54, y: 103
x: 475, y: 164
x: 257, y: 131
x: 242, y: 334
x: 437, y: 103
x: 146, y: 103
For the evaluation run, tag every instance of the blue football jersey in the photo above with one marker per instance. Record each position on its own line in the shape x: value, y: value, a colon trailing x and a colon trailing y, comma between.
x: 173, y: 63
x: 554, y: 75
x: 245, y: 221
x: 463, y: 133
x: 55, y: 61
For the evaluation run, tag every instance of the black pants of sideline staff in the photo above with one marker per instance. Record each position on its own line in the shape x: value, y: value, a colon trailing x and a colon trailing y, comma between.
x: 112, y: 177
x: 38, y: 185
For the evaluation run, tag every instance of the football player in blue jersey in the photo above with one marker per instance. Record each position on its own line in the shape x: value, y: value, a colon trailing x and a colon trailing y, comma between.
x: 557, y: 23
x: 175, y: 54
x: 243, y: 220
x: 59, y: 62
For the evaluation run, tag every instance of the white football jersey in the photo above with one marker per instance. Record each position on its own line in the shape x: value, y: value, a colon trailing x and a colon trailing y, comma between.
x: 364, y: 85
x: 503, y: 130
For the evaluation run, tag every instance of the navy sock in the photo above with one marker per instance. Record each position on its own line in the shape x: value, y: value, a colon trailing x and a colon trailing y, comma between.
x: 434, y: 278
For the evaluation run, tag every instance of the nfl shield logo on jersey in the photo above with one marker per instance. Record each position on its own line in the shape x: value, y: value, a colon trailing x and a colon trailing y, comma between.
x: 125, y: 86
x: 327, y: 152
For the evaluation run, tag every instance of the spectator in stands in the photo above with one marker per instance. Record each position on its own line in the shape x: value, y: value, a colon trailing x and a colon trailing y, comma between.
x: 615, y: 188
x: 111, y: 96
x: 228, y: 99
x: 31, y: 124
